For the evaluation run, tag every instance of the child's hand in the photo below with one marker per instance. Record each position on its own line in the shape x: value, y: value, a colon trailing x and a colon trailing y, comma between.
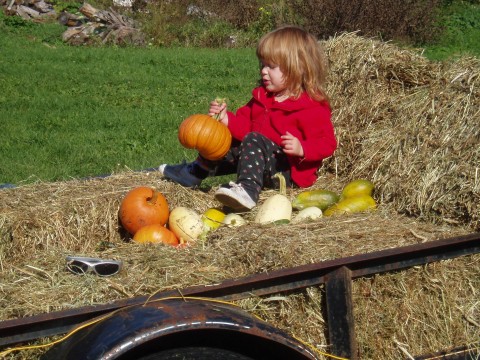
x: 219, y: 111
x: 291, y: 145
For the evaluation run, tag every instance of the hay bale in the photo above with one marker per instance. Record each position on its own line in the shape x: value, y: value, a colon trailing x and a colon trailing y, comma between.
x: 399, y: 118
x: 42, y: 223
x: 410, y: 125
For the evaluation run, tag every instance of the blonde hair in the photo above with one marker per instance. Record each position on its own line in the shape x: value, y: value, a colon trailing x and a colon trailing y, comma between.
x: 300, y: 58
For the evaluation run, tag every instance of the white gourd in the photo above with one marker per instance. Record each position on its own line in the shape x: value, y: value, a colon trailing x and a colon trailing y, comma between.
x: 276, y: 208
x: 309, y: 213
x: 186, y: 224
x: 233, y: 220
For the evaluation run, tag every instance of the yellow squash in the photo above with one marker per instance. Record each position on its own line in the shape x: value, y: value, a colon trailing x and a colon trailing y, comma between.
x: 213, y: 218
x: 352, y: 205
x: 358, y: 187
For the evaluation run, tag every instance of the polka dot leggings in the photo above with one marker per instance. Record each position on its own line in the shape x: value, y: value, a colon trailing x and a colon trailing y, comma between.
x: 256, y: 160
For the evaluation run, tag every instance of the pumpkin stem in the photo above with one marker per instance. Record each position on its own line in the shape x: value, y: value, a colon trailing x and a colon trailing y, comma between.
x: 153, y: 200
x: 220, y: 101
x: 283, y: 183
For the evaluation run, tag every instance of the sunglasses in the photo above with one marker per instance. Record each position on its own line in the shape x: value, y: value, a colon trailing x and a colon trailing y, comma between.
x: 83, y: 265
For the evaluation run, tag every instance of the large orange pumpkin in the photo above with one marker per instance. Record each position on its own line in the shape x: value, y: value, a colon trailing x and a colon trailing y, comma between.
x: 155, y: 234
x: 143, y: 206
x: 208, y: 136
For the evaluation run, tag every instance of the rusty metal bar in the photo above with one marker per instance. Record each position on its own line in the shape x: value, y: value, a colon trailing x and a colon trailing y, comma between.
x: 471, y: 352
x: 283, y: 280
x: 341, y: 329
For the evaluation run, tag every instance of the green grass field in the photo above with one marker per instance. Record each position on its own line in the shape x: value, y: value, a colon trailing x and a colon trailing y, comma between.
x: 462, y: 32
x: 82, y: 111
x: 85, y: 111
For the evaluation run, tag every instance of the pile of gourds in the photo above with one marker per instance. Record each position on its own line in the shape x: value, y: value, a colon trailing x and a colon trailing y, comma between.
x: 145, y: 214
x: 356, y: 197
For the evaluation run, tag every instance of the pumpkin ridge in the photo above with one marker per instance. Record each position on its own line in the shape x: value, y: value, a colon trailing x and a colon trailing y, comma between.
x: 203, y: 137
x: 224, y: 146
x: 215, y: 136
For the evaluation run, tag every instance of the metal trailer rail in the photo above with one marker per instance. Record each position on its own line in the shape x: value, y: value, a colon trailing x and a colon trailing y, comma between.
x: 336, y: 274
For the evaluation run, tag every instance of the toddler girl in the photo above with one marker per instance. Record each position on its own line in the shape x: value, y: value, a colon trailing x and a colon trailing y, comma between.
x: 286, y: 127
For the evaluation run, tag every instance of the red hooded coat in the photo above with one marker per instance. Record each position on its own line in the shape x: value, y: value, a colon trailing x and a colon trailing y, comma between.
x: 304, y: 118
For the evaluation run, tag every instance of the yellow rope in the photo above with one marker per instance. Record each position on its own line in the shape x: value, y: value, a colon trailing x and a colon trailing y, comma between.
x: 30, y: 347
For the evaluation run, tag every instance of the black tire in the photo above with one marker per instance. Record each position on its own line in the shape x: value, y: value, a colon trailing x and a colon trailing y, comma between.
x: 195, y: 353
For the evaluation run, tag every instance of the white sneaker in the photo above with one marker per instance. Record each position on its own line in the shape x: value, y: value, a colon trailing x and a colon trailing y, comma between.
x: 161, y: 169
x: 235, y: 197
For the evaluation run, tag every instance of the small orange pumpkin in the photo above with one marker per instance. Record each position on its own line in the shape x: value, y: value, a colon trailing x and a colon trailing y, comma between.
x: 207, y: 135
x: 143, y: 206
x: 155, y: 234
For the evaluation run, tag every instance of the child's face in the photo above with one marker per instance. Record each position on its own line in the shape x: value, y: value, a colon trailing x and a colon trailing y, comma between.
x: 272, y: 78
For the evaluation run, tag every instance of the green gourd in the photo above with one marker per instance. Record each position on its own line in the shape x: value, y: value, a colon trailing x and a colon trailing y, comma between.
x: 320, y: 198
